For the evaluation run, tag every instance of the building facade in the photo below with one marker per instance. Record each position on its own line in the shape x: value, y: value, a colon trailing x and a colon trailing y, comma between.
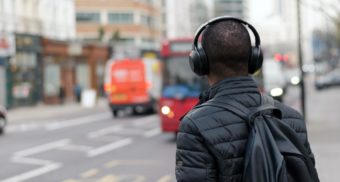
x: 71, y: 65
x: 48, y: 18
x: 133, y: 22
x: 199, y: 15
x: 235, y: 8
x: 275, y: 20
x: 39, y: 59
x: 57, y: 19
x: 192, y: 14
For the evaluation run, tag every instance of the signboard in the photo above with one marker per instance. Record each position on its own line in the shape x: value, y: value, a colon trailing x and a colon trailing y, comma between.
x: 7, y: 45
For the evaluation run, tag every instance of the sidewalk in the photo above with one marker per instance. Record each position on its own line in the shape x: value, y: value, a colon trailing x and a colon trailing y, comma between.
x: 46, y: 112
x: 323, y: 122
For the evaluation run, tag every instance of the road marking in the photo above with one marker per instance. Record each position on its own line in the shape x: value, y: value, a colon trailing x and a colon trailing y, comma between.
x: 47, y: 166
x: 130, y: 162
x: 42, y: 148
x: 90, y: 173
x: 152, y: 133
x: 130, y: 131
x: 145, y: 121
x: 166, y: 178
x: 107, y: 148
x: 111, y: 164
x: 77, y: 148
x: 33, y: 173
x: 109, y: 178
x: 105, y: 131
x: 22, y: 127
x: 139, y: 179
x: 55, y: 124
x: 78, y: 121
x: 70, y: 180
x: 30, y: 161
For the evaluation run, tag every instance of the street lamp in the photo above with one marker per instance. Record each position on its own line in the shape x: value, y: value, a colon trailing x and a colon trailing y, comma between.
x: 302, y: 82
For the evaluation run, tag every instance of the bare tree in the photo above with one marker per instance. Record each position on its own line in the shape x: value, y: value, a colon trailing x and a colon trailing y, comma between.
x: 329, y: 10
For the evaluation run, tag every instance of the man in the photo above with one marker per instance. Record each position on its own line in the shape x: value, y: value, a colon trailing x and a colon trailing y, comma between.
x: 211, y: 141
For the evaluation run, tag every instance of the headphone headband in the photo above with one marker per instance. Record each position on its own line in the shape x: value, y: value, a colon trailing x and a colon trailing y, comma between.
x: 199, y: 61
x: 225, y: 18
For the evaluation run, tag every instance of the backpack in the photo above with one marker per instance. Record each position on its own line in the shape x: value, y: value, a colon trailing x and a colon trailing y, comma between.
x: 274, y: 152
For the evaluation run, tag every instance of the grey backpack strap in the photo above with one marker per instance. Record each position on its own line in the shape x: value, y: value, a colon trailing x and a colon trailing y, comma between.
x: 267, y: 107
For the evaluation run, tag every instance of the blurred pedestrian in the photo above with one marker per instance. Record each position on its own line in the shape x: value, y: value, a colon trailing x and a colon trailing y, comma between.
x: 62, y: 94
x: 212, y: 141
x: 77, y: 92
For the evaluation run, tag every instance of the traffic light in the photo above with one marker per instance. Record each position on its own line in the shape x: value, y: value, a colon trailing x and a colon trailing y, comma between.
x: 281, y: 57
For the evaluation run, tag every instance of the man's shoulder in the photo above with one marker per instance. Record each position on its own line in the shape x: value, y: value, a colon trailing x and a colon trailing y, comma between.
x: 201, y: 117
x: 287, y: 111
x: 292, y: 117
x: 204, y: 112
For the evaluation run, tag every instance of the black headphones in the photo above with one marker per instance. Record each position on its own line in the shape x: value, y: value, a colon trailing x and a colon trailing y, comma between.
x: 199, y: 61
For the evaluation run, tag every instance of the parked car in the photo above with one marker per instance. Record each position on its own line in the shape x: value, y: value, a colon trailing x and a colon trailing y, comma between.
x: 3, y: 119
x: 328, y: 80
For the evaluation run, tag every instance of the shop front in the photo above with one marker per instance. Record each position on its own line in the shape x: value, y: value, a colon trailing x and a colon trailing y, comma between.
x: 24, y: 72
x: 7, y: 51
x: 71, y: 67
x: 97, y: 56
x: 58, y: 72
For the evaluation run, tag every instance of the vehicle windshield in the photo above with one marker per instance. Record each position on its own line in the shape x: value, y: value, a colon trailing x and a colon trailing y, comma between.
x: 179, y: 80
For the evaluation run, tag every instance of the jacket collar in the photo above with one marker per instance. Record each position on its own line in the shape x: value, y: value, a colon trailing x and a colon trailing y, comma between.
x: 229, y: 86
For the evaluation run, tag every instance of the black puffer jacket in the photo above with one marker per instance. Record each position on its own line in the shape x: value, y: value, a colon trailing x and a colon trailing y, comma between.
x: 211, y: 141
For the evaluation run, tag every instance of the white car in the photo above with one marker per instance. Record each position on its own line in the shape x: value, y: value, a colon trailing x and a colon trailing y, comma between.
x: 3, y: 119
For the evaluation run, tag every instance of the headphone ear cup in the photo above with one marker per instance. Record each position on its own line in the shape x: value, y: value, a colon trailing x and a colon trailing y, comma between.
x: 198, y: 62
x: 204, y: 70
x: 255, y: 61
x: 194, y: 61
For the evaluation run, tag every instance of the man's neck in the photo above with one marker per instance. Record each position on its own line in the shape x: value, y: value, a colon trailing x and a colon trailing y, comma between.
x: 213, y: 79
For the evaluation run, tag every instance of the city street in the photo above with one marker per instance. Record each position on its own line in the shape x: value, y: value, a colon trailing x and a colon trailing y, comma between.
x: 73, y: 144
x: 87, y: 147
x: 69, y: 67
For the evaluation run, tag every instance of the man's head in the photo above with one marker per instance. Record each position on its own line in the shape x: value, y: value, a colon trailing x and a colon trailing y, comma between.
x: 227, y: 46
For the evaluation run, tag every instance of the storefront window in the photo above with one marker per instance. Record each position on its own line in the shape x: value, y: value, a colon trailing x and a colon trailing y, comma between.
x: 52, y: 79
x: 83, y: 76
x: 23, y: 68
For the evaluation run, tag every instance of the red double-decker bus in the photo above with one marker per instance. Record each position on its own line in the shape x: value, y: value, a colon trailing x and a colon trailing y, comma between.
x: 181, y: 87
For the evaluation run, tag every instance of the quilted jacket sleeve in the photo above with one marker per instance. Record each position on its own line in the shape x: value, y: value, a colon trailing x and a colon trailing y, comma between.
x: 194, y: 163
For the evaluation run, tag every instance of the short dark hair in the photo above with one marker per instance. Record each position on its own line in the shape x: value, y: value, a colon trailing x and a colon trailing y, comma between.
x: 227, y: 47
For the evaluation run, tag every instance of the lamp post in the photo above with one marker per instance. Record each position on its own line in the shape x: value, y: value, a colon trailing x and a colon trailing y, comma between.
x: 300, y: 53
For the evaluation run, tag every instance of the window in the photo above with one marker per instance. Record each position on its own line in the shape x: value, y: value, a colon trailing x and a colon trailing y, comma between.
x: 147, y: 20
x: 121, y: 18
x: 179, y: 81
x: 127, y: 40
x: 88, y: 17
x: 144, y: 20
x: 82, y: 75
x: 52, y: 79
